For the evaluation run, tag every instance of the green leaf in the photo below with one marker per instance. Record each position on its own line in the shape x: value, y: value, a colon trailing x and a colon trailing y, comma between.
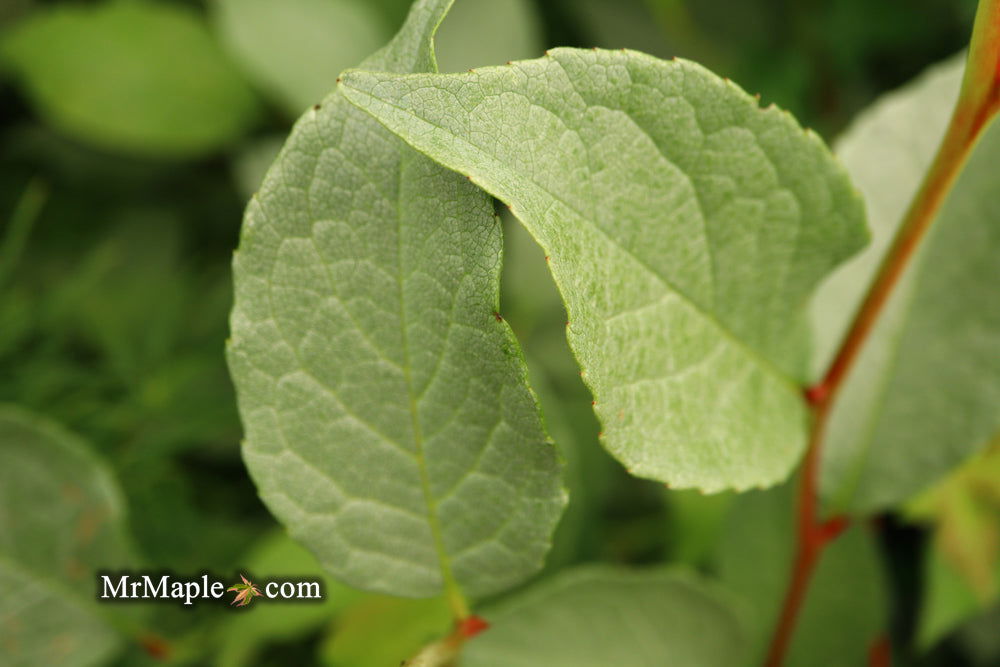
x: 61, y: 520
x: 295, y: 49
x: 597, y: 616
x: 388, y: 420
x: 131, y: 76
x: 686, y: 228
x: 963, y: 562
x: 924, y: 392
x: 845, y: 607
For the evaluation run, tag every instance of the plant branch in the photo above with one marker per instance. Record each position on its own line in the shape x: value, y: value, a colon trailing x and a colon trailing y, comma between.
x: 978, y: 103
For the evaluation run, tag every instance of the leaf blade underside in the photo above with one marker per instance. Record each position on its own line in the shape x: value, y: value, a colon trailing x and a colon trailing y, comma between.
x: 389, y: 422
x: 685, y: 226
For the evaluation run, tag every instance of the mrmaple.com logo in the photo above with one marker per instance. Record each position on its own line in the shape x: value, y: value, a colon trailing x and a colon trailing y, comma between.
x: 170, y: 588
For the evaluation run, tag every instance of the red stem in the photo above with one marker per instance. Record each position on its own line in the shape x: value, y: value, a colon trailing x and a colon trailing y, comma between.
x: 812, y: 535
x: 978, y: 103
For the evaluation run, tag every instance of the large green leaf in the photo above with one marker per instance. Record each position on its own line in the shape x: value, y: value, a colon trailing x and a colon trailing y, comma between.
x: 135, y: 76
x: 388, y: 420
x: 925, y: 391
x: 686, y: 228
x: 295, y: 49
x: 599, y: 616
x: 846, y: 604
x: 61, y: 520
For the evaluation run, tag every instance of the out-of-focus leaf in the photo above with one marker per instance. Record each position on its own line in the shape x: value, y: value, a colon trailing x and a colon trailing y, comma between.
x: 294, y: 49
x: 244, y: 635
x: 601, y: 616
x: 132, y: 76
x: 487, y: 32
x: 925, y: 391
x: 389, y: 422
x: 846, y: 605
x: 381, y: 630
x: 61, y: 520
x: 962, y: 567
x: 686, y: 228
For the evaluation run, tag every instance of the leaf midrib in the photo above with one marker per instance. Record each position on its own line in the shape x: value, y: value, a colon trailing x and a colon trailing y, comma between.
x: 451, y: 588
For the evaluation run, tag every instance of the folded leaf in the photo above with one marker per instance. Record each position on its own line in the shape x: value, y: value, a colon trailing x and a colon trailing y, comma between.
x: 389, y: 424
x: 925, y: 391
x: 600, y: 616
x: 685, y: 226
x: 61, y: 520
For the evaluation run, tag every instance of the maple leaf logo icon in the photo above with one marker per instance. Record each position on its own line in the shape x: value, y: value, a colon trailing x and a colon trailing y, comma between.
x: 245, y: 592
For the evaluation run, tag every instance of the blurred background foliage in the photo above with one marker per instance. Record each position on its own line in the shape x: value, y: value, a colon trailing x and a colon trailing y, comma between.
x: 132, y: 133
